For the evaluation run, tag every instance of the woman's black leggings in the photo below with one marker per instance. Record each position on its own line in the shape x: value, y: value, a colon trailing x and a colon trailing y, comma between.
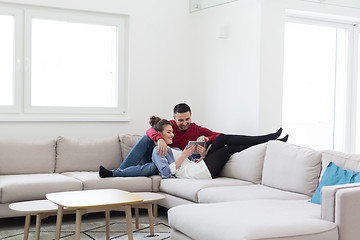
x: 226, y: 145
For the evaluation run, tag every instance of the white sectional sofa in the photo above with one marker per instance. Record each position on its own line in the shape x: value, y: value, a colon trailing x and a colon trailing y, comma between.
x: 263, y: 192
x: 30, y: 169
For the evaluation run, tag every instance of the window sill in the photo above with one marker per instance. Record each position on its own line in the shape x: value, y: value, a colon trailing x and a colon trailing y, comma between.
x: 62, y: 118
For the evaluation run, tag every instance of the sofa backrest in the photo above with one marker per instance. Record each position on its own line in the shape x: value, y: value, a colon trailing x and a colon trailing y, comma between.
x: 345, y: 160
x: 291, y: 168
x: 74, y: 154
x: 246, y: 165
x: 127, y: 142
x: 24, y: 156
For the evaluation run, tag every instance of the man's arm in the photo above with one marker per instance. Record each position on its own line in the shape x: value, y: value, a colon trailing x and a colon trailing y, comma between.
x: 207, y: 135
x: 156, y: 137
x: 153, y: 134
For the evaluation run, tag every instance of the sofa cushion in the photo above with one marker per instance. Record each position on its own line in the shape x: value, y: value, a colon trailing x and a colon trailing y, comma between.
x: 256, y: 219
x: 345, y: 160
x: 248, y: 192
x: 189, y: 188
x: 87, y: 154
x: 171, y: 201
x: 127, y: 142
x: 91, y: 180
x: 15, y: 188
x: 23, y: 157
x: 291, y: 168
x: 334, y: 175
x: 246, y: 165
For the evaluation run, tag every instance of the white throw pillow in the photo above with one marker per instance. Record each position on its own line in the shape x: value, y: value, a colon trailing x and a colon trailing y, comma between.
x: 87, y: 154
x: 291, y: 168
x: 127, y: 142
x: 246, y: 165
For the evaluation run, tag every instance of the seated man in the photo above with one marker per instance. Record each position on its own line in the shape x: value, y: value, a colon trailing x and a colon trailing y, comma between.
x: 184, y: 131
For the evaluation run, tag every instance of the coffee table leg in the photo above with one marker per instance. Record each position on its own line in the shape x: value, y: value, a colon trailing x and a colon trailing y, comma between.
x: 151, y: 220
x: 136, y: 217
x: 155, y: 210
x: 58, y: 222
x: 78, y: 223
x: 107, y: 219
x: 27, y: 226
x: 38, y: 225
x: 129, y: 221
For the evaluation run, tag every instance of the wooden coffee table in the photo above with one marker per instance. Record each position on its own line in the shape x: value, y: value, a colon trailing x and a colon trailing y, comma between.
x: 100, y: 200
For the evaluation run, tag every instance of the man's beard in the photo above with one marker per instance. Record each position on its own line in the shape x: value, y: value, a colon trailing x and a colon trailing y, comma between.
x: 184, y: 127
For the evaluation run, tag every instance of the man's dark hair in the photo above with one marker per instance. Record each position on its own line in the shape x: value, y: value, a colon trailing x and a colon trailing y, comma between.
x: 181, y: 108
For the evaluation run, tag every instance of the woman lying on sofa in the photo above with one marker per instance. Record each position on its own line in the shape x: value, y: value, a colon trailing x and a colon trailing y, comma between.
x: 180, y: 164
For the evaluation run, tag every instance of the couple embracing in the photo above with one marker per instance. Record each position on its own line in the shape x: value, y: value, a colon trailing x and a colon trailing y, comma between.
x: 164, y: 149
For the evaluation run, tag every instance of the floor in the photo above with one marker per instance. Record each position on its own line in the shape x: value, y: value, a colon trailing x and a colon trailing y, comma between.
x: 93, y: 227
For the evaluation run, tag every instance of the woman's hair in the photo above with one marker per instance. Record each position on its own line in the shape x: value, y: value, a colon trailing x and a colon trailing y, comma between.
x: 158, y: 124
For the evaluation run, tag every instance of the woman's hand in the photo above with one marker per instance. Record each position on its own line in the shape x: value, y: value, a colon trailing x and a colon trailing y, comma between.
x: 188, y: 151
x: 162, y: 147
x: 202, y: 138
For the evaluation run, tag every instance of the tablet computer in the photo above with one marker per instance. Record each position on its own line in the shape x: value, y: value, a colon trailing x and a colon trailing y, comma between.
x: 196, y: 143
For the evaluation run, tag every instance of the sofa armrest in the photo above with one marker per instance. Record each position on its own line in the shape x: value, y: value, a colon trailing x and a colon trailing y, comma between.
x: 341, y: 204
x: 156, y: 179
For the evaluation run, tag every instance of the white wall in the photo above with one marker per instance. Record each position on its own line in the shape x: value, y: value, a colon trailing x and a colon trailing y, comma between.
x: 243, y: 73
x: 160, y: 67
x: 175, y: 57
x: 271, y: 66
x: 230, y: 67
x: 233, y: 85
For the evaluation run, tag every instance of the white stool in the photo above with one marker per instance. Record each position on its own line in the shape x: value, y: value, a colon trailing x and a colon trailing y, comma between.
x: 41, y: 208
x: 150, y: 200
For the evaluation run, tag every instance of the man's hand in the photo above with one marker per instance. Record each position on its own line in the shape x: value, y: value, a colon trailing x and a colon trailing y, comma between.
x: 202, y: 138
x: 162, y: 147
x: 201, y: 150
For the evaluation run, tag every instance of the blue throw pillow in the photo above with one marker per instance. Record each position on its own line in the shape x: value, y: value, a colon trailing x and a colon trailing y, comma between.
x: 334, y: 175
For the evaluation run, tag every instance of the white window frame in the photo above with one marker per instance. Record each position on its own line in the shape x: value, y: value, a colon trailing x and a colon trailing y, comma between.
x: 17, y: 61
x: 355, y: 91
x: 22, y: 109
x: 349, y: 136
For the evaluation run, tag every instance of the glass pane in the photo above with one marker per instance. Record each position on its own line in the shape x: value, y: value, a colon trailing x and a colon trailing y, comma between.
x: 310, y: 84
x: 73, y: 64
x: 6, y: 60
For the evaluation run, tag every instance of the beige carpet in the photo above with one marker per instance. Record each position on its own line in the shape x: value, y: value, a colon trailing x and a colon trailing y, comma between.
x: 93, y: 227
